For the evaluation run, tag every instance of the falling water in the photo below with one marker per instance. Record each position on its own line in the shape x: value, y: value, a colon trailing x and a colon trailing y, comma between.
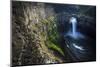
x: 73, y: 21
x: 74, y: 33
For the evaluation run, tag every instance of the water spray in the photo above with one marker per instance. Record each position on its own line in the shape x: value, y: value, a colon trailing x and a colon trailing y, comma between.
x: 74, y: 22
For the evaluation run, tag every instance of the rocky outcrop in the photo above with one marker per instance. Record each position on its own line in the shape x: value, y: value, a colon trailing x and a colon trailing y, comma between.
x: 30, y: 34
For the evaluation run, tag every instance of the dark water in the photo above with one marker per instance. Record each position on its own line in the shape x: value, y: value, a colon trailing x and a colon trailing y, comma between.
x: 79, y: 39
x: 80, y: 46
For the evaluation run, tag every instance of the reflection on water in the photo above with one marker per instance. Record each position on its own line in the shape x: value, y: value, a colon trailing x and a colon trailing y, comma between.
x: 78, y: 47
x: 78, y: 44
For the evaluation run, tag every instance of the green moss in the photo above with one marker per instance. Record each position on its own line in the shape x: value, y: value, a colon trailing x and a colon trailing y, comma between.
x: 55, y: 47
x: 52, y: 34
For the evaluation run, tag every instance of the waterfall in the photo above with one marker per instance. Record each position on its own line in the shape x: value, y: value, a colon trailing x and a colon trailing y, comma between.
x: 74, y: 22
x: 73, y: 32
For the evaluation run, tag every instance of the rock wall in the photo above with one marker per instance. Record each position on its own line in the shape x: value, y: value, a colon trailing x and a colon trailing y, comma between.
x: 29, y: 34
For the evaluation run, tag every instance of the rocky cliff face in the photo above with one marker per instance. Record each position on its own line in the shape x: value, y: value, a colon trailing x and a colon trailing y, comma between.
x: 30, y: 31
x: 40, y: 33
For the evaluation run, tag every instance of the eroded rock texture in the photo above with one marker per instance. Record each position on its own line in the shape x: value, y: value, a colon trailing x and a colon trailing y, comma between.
x: 40, y: 33
x: 29, y: 34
